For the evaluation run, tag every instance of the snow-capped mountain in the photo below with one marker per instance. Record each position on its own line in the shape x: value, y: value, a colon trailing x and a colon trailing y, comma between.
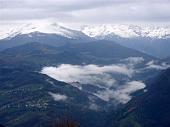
x: 95, y: 31
x: 126, y: 31
x: 152, y: 40
x: 48, y: 28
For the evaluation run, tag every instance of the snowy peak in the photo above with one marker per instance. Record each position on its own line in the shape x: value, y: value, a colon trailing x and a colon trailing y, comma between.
x: 96, y: 31
x: 126, y: 31
x: 49, y: 28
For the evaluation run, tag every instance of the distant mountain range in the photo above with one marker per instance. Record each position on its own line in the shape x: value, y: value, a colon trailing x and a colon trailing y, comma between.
x: 107, y: 73
x: 152, y: 40
x: 96, y: 31
x: 127, y: 31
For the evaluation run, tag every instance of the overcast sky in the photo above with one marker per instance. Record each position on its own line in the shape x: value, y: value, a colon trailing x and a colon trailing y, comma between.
x: 85, y: 11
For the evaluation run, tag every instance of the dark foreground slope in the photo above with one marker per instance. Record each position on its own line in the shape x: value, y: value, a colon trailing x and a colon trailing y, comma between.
x: 26, y: 101
x: 150, y: 109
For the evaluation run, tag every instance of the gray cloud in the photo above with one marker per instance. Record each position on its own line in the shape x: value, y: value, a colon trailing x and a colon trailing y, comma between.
x: 158, y: 66
x: 122, y: 94
x: 93, y: 106
x: 62, y: 5
x: 89, y: 11
x: 134, y: 60
x: 58, y: 97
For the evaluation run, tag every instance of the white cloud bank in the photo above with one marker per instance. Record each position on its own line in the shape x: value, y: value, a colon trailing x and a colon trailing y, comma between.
x: 122, y: 94
x: 88, y: 74
x: 112, y: 82
x: 58, y: 97
x: 100, y: 76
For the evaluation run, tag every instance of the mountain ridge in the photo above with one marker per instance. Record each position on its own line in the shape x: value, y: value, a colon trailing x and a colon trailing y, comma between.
x: 94, y: 31
x: 44, y: 27
x: 126, y: 31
